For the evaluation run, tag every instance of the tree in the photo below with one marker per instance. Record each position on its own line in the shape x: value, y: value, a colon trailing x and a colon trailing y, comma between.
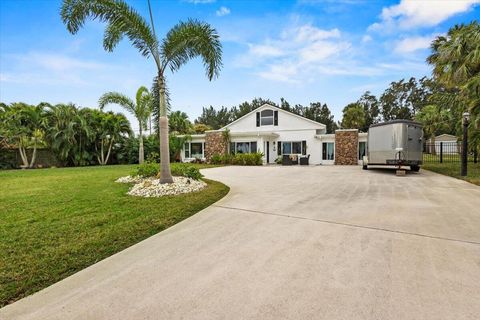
x: 70, y: 133
x: 179, y: 123
x: 24, y: 125
x: 433, y: 120
x: 215, y: 119
x: 456, y: 65
x: 200, y: 128
x: 371, y: 109
x: 185, y: 41
x: 109, y: 128
x: 141, y: 109
x: 353, y: 116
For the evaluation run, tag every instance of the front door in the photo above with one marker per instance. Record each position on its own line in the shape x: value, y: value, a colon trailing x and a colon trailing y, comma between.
x: 268, y: 152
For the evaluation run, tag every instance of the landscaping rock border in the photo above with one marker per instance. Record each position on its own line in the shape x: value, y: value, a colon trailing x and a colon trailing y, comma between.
x: 151, y: 187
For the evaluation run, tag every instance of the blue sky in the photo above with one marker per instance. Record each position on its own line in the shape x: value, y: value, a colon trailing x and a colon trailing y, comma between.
x: 305, y: 51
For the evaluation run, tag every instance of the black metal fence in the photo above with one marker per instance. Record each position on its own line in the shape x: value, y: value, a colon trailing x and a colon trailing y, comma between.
x: 440, y: 152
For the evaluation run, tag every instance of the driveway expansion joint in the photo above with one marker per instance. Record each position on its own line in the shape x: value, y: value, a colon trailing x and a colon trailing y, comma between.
x: 351, y: 225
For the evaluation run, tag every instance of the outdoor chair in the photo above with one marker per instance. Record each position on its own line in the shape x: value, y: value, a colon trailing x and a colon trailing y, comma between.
x: 304, y: 160
x: 286, y: 161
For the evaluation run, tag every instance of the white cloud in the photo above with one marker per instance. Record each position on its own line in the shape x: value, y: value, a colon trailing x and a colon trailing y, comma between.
x: 412, y: 44
x: 366, y: 38
x: 297, y: 50
x: 223, y: 11
x: 409, y: 14
x: 48, y: 68
x: 266, y: 50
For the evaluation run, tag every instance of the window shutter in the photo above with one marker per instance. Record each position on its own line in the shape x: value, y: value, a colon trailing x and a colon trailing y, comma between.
x: 279, y: 148
x: 258, y: 119
x: 304, y: 147
x: 275, y: 118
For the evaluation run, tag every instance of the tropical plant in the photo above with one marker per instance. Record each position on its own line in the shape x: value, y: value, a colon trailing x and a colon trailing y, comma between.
x: 141, y: 109
x: 226, y: 139
x: 176, y: 144
x: 183, y: 42
x: 70, y: 133
x: 24, y: 126
x: 456, y: 65
x: 200, y: 128
x: 179, y: 123
x: 109, y: 128
x: 433, y: 120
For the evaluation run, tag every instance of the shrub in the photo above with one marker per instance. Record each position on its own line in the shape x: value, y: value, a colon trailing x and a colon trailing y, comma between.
x: 152, y: 169
x: 216, y: 159
x: 147, y: 169
x: 242, y: 159
x: 192, y: 172
x: 185, y: 170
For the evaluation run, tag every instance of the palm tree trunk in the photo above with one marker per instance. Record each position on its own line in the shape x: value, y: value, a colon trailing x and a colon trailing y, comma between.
x: 141, y: 155
x: 101, y: 150
x: 34, y: 154
x: 165, y: 174
x: 109, y: 150
x: 23, y: 155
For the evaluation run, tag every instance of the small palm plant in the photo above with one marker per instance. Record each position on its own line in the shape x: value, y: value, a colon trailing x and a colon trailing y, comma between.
x: 141, y: 109
x: 185, y: 41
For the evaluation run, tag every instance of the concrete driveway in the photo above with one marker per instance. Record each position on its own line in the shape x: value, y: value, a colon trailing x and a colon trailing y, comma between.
x: 323, y: 242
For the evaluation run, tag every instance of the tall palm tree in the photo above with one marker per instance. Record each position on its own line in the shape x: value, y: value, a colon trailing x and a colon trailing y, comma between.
x: 141, y: 109
x: 183, y: 42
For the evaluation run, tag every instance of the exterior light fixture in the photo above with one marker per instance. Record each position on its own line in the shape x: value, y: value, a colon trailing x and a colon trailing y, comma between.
x: 466, y: 119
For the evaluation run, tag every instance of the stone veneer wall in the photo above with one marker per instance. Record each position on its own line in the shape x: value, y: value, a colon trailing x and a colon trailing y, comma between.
x: 214, y: 144
x: 346, y: 147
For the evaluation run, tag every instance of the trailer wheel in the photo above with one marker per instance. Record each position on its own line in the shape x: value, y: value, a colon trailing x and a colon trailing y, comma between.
x: 415, y: 168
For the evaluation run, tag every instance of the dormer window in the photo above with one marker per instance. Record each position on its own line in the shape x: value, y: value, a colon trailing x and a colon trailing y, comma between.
x: 267, y: 117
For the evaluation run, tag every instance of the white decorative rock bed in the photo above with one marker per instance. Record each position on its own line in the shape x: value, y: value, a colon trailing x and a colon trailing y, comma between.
x: 151, y: 187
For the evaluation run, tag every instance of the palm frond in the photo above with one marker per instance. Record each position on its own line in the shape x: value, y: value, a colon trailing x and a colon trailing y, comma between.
x: 117, y: 98
x: 191, y: 39
x: 122, y: 21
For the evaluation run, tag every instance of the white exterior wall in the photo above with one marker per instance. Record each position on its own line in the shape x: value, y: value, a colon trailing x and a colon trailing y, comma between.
x: 290, y: 128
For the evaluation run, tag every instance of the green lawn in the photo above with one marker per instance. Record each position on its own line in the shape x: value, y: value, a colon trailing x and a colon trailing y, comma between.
x: 55, y: 222
x: 453, y: 169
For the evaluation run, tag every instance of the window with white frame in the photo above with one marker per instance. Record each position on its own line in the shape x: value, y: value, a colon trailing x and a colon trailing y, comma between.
x: 194, y: 150
x: 243, y: 147
x: 328, y: 151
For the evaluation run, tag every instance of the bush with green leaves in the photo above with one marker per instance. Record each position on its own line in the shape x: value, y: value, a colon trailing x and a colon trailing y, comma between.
x: 186, y: 170
x: 242, y: 159
x: 152, y: 169
x: 147, y: 169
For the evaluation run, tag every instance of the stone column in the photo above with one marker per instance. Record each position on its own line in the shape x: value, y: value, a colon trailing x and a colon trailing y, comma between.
x: 214, y: 144
x: 346, y: 147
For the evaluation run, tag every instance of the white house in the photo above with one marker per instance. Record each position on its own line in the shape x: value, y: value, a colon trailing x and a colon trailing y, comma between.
x: 275, y: 132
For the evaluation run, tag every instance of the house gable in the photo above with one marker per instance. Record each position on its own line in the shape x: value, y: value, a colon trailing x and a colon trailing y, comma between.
x: 285, y: 121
